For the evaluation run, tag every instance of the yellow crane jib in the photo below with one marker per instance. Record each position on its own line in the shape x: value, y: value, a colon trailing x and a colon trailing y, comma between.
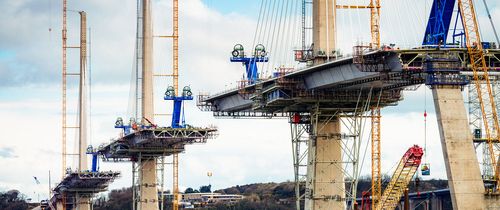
x: 407, y: 167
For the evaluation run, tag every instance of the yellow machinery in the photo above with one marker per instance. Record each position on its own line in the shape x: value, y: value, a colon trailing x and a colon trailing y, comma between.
x: 407, y: 167
x: 484, y: 92
x: 376, y: 174
x: 175, y: 78
x: 376, y: 184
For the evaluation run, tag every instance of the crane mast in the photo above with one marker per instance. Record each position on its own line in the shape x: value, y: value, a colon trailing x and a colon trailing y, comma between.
x: 376, y: 172
x: 376, y: 184
x: 175, y: 77
x: 480, y: 75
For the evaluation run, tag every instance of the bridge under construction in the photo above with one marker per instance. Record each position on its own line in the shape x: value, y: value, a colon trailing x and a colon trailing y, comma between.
x: 334, y: 91
x: 326, y: 101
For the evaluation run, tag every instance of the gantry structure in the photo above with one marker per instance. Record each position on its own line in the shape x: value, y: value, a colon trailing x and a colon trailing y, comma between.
x: 338, y: 91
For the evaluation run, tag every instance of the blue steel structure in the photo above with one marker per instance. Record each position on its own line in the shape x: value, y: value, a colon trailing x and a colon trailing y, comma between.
x: 252, y: 71
x: 95, y: 160
x: 443, y: 69
x: 458, y: 33
x: 438, y: 26
x: 178, y: 111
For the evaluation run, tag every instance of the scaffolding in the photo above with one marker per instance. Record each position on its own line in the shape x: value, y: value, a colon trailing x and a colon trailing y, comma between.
x: 152, y: 144
x: 300, y: 128
x: 475, y: 123
x: 376, y: 157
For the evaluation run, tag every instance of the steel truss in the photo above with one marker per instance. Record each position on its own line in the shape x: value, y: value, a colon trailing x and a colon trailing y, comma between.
x: 476, y: 126
x: 300, y: 137
x: 136, y: 180
x: 306, y: 129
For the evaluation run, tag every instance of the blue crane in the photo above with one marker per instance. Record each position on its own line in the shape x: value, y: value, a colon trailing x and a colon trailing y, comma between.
x: 178, y: 111
x: 259, y: 55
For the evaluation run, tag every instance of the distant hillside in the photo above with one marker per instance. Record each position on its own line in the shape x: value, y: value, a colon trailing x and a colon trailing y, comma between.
x: 275, y: 196
x: 282, y: 195
x: 262, y: 196
x: 364, y: 184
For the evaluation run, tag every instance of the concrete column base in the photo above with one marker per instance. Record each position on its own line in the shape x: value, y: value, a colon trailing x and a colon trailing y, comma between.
x: 148, y: 190
x: 325, y: 187
x: 83, y: 204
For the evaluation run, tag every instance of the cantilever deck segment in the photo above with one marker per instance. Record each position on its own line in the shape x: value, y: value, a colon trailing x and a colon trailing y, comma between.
x: 86, y: 182
x: 82, y: 184
x: 155, y: 142
x: 339, y: 83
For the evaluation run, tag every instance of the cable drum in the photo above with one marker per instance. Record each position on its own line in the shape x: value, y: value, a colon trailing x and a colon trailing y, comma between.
x: 235, y: 53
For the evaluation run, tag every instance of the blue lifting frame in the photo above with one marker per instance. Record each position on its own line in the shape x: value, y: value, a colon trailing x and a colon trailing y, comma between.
x: 250, y: 66
x: 178, y: 111
x: 251, y: 69
x: 95, y: 160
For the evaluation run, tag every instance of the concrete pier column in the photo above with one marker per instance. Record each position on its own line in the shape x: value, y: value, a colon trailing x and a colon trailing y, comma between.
x: 324, y: 13
x: 462, y: 168
x: 148, y: 189
x: 325, y: 187
x: 147, y: 173
x: 83, y: 203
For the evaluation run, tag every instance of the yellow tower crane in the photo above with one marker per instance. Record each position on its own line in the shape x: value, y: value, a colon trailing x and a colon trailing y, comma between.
x: 376, y: 184
x: 376, y: 171
x: 480, y: 75
x: 175, y: 78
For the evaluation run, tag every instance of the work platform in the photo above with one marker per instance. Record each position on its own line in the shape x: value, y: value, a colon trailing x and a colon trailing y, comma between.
x: 154, y: 142
x: 80, y: 184
x: 343, y: 83
x: 86, y: 182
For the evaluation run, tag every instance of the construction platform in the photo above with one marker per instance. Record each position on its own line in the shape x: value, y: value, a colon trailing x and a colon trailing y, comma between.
x: 81, y: 184
x: 345, y: 83
x: 154, y: 142
x: 86, y: 182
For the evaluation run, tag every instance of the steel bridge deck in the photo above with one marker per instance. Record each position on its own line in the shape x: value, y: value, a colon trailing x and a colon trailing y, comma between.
x: 341, y: 84
x: 154, y: 142
x: 82, y: 184
x: 86, y: 182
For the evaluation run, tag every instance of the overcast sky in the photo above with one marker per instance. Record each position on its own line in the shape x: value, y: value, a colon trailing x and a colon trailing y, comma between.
x: 246, y: 151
